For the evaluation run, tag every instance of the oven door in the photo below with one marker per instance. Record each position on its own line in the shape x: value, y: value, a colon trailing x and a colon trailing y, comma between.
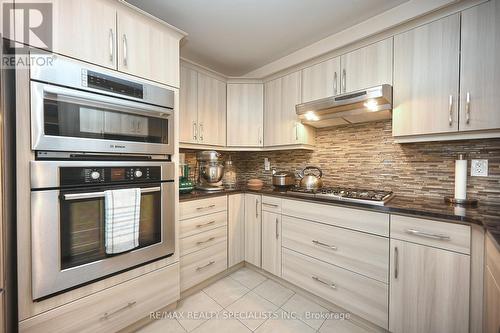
x: 64, y: 119
x: 68, y: 235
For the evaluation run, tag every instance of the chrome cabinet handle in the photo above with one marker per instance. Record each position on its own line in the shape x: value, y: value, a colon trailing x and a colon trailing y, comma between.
x: 107, y: 315
x: 270, y: 205
x: 296, y: 132
x: 201, y: 131
x: 256, y: 208
x: 111, y: 45
x: 199, y: 268
x: 195, y: 131
x: 277, y: 227
x: 396, y: 262
x: 207, y: 207
x: 329, y: 284
x: 332, y: 247
x: 427, y: 234
x: 259, y: 136
x: 467, y: 108
x: 125, y: 50
x: 450, y: 110
x: 344, y: 80
x: 205, y: 241
x: 91, y: 195
x: 205, y: 224
x: 335, y: 83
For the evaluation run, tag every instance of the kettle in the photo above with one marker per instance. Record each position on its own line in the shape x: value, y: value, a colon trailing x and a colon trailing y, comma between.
x: 309, y: 180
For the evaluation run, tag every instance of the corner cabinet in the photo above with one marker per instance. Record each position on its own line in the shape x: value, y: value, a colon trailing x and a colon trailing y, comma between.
x: 245, y: 115
x: 253, y: 228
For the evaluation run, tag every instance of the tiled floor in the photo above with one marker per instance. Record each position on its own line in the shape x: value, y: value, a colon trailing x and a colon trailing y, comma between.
x: 247, y: 301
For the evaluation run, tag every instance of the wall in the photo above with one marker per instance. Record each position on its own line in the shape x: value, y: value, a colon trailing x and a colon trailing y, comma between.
x: 366, y: 156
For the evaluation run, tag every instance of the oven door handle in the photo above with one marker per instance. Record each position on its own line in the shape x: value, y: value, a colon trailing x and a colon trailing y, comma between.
x: 90, y: 195
x: 105, y: 102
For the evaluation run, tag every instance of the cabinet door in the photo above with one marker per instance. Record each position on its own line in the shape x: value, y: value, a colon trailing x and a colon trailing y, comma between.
x: 245, y: 106
x: 211, y: 111
x: 291, y: 96
x: 321, y: 80
x: 253, y: 221
x: 147, y: 48
x: 188, y: 115
x: 429, y: 289
x: 480, y: 69
x: 273, y: 112
x: 492, y: 303
x: 271, y: 242
x: 86, y: 30
x: 367, y: 67
x: 236, y: 229
x: 426, y: 62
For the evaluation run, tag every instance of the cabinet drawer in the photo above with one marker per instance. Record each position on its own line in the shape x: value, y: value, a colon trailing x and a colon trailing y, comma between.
x: 271, y: 204
x: 195, y: 208
x: 199, y: 266
x: 200, y: 241
x: 449, y: 236
x: 365, y: 297
x: 112, y: 309
x: 362, y: 220
x: 203, y: 223
x: 356, y: 251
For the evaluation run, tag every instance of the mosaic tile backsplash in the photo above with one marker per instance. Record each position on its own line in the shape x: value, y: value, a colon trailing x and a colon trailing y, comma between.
x: 366, y: 156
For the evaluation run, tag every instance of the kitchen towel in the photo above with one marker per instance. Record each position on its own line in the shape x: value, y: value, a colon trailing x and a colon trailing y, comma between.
x: 122, y: 216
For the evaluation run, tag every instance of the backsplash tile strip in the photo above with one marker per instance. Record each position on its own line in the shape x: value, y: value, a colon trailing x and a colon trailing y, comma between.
x: 366, y: 156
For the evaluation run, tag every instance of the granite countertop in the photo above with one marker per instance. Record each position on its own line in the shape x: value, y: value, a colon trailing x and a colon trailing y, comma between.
x: 487, y: 216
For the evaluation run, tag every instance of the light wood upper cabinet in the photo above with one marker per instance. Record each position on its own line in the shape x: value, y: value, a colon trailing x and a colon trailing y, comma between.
x: 429, y: 289
x: 245, y: 112
x: 253, y: 228
x: 367, y: 67
x: 236, y: 228
x: 426, y: 78
x: 211, y: 111
x: 480, y: 68
x: 272, y: 112
x: 321, y: 80
x: 147, y: 48
x: 271, y: 242
x: 188, y: 106
x: 86, y: 30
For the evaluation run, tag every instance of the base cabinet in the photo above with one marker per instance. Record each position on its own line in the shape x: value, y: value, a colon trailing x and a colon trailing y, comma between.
x: 492, y: 288
x: 253, y: 228
x: 271, y: 242
x: 429, y: 289
x: 236, y: 229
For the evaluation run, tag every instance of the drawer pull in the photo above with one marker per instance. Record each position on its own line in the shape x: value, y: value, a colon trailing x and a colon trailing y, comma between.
x: 110, y: 314
x: 427, y: 235
x: 396, y: 263
x: 202, y: 267
x: 207, y: 207
x: 270, y: 205
x: 206, y: 241
x: 204, y: 224
x: 331, y: 247
x: 329, y: 284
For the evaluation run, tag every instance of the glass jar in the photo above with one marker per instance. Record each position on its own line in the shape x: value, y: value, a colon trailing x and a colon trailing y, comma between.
x: 229, y: 180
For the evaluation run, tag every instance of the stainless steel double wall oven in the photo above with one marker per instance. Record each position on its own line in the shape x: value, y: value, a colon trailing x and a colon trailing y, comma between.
x: 93, y: 130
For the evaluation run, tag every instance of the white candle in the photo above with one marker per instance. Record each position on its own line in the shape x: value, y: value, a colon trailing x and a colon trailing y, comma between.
x: 461, y: 179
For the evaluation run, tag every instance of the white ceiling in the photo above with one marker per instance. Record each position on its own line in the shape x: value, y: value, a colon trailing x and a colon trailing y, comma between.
x: 234, y: 37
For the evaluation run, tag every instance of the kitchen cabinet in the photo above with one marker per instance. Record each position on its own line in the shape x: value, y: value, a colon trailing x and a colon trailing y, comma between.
x: 147, y: 48
x: 492, y: 285
x: 426, y: 78
x: 367, y: 67
x: 271, y: 242
x: 429, y: 289
x: 479, y: 67
x: 245, y: 114
x: 321, y: 80
x: 281, y: 124
x: 253, y: 229
x: 236, y: 229
x: 86, y: 30
x: 202, y: 109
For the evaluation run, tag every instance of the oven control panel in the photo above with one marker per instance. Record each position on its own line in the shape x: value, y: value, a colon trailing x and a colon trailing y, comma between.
x: 108, y: 175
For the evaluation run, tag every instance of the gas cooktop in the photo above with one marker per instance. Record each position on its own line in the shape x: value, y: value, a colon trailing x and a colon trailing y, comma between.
x: 372, y: 197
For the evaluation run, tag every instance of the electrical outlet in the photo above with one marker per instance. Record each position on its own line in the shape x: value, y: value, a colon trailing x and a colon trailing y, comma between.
x: 267, y: 164
x: 479, y: 168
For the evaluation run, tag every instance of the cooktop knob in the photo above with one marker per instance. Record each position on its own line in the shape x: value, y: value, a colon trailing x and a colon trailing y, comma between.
x: 138, y: 173
x: 95, y: 175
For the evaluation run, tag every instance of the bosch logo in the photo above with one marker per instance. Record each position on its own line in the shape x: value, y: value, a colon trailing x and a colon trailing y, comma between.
x: 117, y: 146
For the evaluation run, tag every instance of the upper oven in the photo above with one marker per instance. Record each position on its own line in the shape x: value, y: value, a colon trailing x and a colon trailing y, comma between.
x: 80, y: 107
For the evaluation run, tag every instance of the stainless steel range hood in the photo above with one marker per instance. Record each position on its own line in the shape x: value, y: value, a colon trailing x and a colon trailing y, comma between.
x: 361, y: 106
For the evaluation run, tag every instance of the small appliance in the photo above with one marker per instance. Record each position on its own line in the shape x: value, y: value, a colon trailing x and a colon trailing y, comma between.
x: 283, y: 179
x: 210, y: 171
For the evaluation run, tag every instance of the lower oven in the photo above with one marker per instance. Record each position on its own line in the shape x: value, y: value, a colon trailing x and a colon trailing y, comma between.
x: 68, y: 220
